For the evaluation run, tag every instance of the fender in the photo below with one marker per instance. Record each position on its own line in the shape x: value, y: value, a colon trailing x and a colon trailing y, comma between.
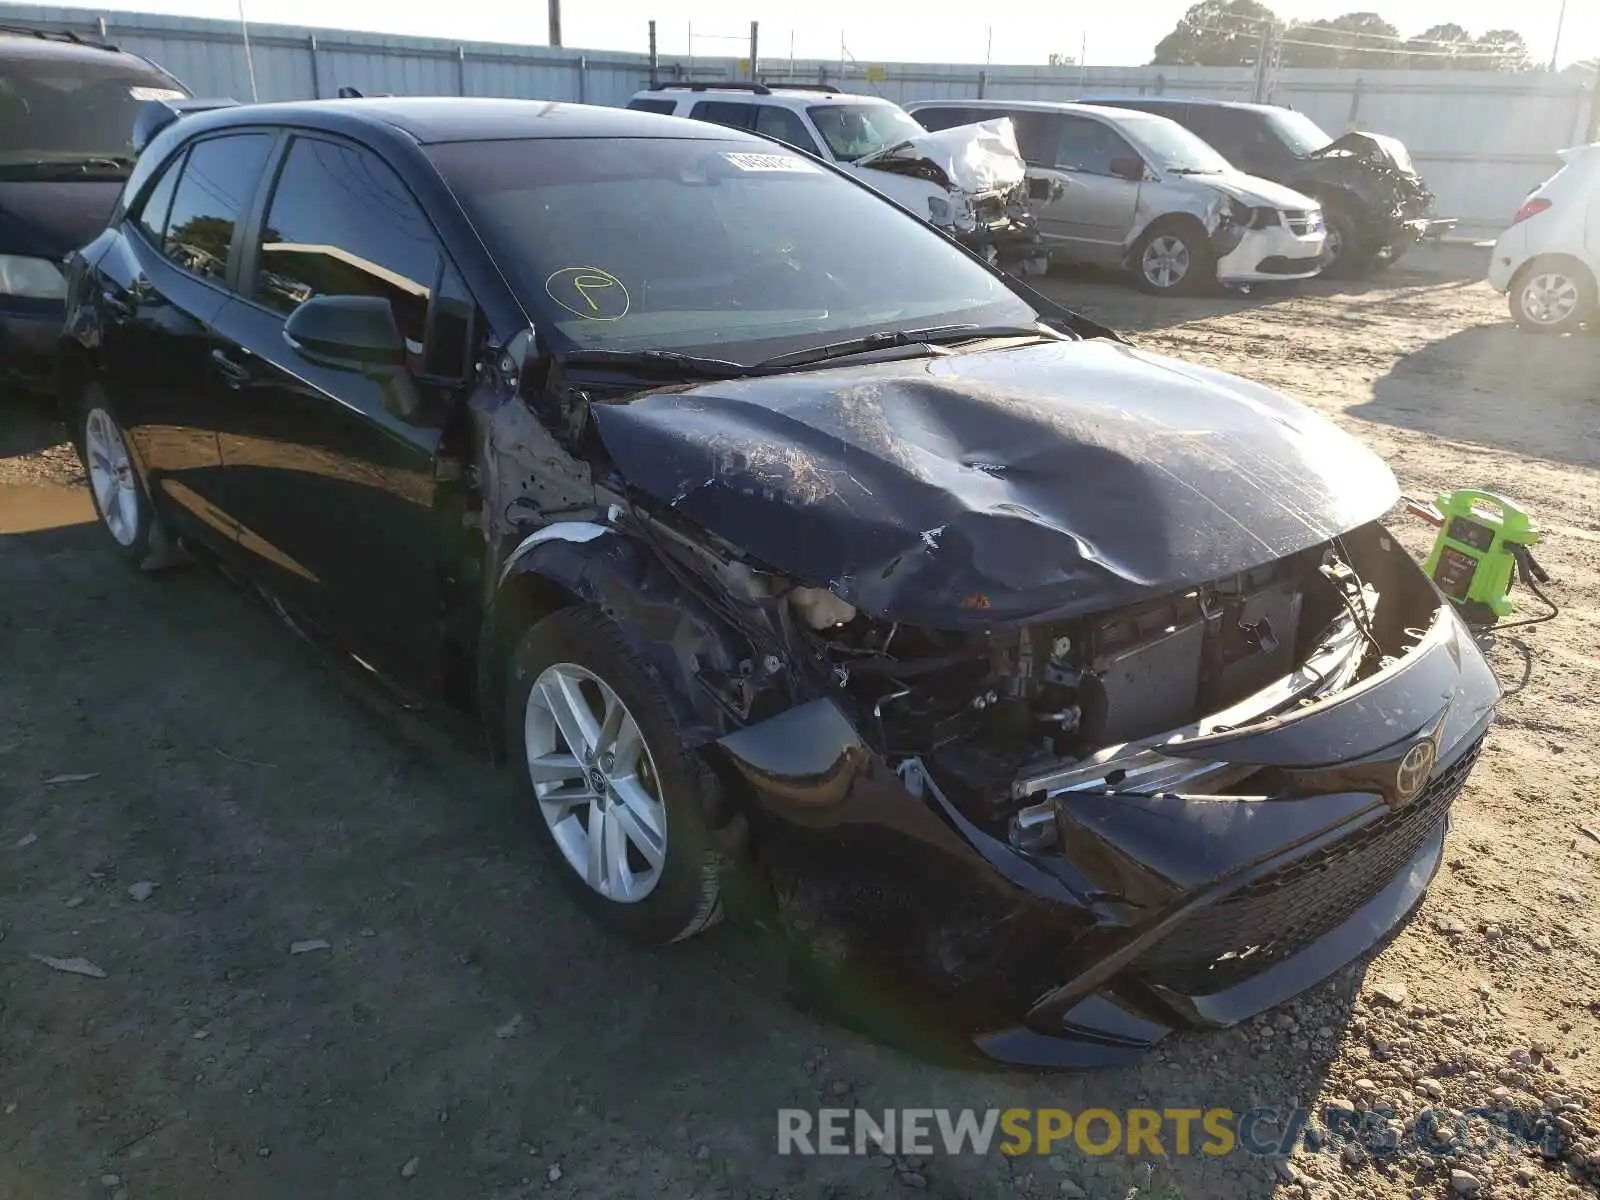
x: 673, y: 634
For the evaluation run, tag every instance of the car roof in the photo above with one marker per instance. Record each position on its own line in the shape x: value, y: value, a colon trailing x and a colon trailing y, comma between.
x: 1242, y: 105
x: 1056, y: 106
x: 787, y: 95
x: 21, y: 41
x: 433, y: 119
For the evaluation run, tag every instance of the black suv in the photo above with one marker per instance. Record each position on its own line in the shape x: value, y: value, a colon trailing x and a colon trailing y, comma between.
x: 67, y: 109
x: 787, y: 550
x: 1375, y: 203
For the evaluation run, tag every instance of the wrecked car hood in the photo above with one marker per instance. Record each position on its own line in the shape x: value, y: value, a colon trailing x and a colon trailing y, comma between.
x: 977, y: 159
x: 1256, y: 192
x: 1370, y: 145
x: 970, y: 490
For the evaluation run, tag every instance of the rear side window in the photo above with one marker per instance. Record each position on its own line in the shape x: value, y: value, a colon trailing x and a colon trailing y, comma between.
x: 158, y: 201
x: 724, y: 112
x: 664, y: 107
x: 213, y: 195
x: 786, y: 127
x: 342, y: 224
x: 1227, y: 132
x: 935, y: 119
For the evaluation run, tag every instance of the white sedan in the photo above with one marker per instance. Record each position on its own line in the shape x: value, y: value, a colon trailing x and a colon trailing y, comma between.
x: 1547, y: 262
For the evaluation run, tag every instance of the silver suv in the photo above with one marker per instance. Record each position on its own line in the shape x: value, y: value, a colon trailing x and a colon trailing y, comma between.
x: 1145, y: 193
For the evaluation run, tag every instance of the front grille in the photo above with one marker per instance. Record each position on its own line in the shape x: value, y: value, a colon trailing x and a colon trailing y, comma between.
x: 1274, y: 917
x: 1278, y: 264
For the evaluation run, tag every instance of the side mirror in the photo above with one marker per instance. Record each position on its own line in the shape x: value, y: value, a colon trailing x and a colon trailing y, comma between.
x: 356, y: 333
x: 1128, y: 166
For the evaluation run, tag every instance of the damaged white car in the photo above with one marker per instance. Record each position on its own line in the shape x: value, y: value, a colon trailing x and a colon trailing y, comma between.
x: 971, y: 182
x: 1144, y: 193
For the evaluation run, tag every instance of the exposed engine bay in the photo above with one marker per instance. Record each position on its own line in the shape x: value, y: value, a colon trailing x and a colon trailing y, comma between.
x: 998, y: 718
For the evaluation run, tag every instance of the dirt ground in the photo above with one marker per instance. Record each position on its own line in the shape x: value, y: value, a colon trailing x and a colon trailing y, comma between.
x: 465, y: 1032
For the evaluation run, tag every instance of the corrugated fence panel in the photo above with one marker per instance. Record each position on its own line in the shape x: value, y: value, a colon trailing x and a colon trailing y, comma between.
x: 1481, y: 139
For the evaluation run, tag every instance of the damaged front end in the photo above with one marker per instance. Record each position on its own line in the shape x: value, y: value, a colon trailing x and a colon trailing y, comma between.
x: 1398, y: 208
x: 982, y: 196
x: 1060, y: 724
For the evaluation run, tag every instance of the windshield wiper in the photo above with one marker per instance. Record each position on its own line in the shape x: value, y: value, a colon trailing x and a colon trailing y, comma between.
x: 1192, y: 171
x: 87, y: 162
x: 888, y: 338
x: 661, y: 362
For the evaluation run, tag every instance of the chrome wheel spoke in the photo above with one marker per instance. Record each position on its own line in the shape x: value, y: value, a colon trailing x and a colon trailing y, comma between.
x: 618, y: 874
x: 611, y: 724
x: 558, y: 802
x: 595, y: 869
x: 565, y: 701
x: 649, y: 843
x: 556, y: 768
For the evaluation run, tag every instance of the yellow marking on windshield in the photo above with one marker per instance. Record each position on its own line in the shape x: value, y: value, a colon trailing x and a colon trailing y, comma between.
x: 589, y: 292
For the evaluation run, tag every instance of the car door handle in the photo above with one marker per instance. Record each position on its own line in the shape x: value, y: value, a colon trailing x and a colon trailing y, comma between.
x: 234, y: 374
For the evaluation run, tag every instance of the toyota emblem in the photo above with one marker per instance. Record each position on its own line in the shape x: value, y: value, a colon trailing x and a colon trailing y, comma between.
x: 1414, y: 769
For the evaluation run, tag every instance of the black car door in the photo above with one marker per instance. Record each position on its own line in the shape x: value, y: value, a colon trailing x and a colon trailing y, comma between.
x: 330, y: 481
x: 162, y: 287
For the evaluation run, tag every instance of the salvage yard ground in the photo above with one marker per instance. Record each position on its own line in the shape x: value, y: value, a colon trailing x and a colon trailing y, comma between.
x: 452, y: 1026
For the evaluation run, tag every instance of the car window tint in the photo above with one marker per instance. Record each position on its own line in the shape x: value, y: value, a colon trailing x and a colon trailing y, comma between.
x: 213, y: 194
x: 935, y: 119
x: 1089, y: 146
x: 1217, y: 126
x: 1037, y: 135
x: 787, y: 127
x: 723, y: 112
x: 655, y: 106
x: 158, y: 201
x: 342, y: 224
x: 449, y: 352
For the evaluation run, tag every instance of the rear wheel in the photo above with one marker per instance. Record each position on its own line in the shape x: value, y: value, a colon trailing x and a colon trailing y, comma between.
x: 120, y: 499
x: 626, y: 811
x: 1552, y: 295
x: 1173, y: 258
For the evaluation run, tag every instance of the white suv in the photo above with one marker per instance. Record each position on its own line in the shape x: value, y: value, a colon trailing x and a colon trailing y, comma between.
x: 971, y: 183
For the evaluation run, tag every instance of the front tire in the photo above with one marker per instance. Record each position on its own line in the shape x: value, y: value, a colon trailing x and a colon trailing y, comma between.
x: 625, y: 811
x: 1173, y: 258
x: 1552, y: 296
x: 1346, y: 254
x: 115, y: 486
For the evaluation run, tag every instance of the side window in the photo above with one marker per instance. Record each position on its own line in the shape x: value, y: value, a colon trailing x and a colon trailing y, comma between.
x: 786, y: 127
x: 1089, y: 146
x: 935, y: 119
x: 1038, y: 135
x: 1219, y: 128
x: 724, y: 112
x: 213, y: 195
x: 640, y: 104
x: 449, y: 352
x: 157, y: 204
x: 342, y: 224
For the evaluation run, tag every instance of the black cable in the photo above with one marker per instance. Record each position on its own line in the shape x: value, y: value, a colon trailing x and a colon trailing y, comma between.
x: 1525, y: 572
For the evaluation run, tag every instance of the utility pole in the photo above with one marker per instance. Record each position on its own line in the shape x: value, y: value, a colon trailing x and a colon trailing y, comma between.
x: 555, y: 22
x: 655, y: 62
x: 249, y: 59
x: 754, y: 45
x: 1561, y: 19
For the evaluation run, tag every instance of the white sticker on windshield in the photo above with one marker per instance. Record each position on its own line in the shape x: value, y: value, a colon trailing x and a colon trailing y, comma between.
x: 769, y: 162
x: 150, y: 93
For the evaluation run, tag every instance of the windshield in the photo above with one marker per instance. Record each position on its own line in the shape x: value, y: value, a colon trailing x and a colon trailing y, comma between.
x: 63, y: 113
x: 1171, y: 147
x: 854, y: 131
x: 726, y: 248
x: 1299, y: 132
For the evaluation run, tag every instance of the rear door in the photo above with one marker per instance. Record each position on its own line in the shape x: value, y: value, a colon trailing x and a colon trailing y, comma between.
x: 1092, y: 219
x: 163, y: 286
x: 332, y: 487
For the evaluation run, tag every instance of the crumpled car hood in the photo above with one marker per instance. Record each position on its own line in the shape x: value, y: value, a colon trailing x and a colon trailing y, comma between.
x: 1255, y: 191
x: 976, y: 159
x: 972, y: 490
x: 1381, y: 145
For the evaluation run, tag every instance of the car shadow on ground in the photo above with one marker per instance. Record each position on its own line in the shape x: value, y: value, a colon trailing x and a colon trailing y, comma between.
x: 462, y: 1009
x: 1113, y: 298
x: 1462, y: 385
x: 28, y: 423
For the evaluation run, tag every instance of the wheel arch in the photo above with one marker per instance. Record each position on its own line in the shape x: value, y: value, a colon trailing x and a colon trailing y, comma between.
x: 672, y: 632
x: 1166, y: 220
x: 1554, y: 258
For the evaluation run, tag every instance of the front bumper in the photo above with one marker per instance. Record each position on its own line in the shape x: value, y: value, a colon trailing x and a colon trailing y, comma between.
x: 1510, y: 252
x: 1263, y: 255
x: 30, y: 333
x: 1165, y: 912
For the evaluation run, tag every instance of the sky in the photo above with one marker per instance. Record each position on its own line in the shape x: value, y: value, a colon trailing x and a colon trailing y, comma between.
x: 1114, y: 34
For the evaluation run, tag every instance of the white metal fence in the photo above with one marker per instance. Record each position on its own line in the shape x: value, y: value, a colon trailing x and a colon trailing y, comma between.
x: 1482, y: 139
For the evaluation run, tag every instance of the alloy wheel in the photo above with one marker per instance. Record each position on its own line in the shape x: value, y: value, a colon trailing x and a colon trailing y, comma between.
x: 596, y: 782
x: 1165, y: 261
x: 1550, y: 298
x: 111, y: 476
x: 1332, y: 245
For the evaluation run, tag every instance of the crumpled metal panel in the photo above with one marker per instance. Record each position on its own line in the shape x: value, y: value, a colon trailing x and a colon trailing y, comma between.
x: 966, y: 491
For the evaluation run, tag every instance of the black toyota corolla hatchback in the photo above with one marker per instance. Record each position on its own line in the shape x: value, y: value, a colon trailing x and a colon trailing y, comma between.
x: 1051, y: 694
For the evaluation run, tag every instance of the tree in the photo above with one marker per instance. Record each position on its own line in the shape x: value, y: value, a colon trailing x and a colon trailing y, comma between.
x: 1215, y: 33
x: 1359, y: 39
x: 1503, y: 50
x: 1437, y: 47
x: 1449, y: 47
